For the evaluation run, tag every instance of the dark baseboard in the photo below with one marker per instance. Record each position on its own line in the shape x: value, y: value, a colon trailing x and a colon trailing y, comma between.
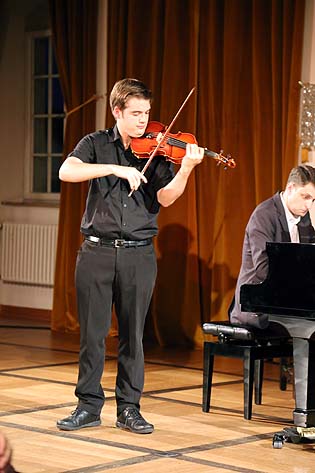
x: 25, y: 313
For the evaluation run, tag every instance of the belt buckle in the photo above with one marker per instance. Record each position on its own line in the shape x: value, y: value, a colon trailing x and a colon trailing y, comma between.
x: 92, y: 238
x: 119, y: 243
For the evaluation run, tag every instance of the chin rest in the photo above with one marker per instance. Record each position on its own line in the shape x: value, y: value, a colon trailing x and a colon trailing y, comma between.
x: 253, y: 346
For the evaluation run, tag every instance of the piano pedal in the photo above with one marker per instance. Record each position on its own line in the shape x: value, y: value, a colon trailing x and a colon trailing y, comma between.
x: 294, y: 435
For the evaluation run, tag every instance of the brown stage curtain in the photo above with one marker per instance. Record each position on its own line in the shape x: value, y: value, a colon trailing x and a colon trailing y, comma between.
x: 244, y: 57
x: 74, y: 27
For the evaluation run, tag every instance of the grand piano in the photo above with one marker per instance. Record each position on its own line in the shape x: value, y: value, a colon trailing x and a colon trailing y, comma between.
x: 288, y: 296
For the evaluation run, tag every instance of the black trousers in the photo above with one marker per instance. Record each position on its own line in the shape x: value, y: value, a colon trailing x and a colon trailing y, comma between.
x: 106, y: 276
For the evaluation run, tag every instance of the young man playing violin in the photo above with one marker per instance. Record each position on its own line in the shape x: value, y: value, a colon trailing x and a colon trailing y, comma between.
x: 116, y: 263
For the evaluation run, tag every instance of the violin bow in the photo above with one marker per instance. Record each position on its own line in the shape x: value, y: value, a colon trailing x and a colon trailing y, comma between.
x: 164, y: 135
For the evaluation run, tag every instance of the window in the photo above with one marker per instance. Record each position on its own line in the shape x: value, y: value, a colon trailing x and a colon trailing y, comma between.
x: 46, y: 120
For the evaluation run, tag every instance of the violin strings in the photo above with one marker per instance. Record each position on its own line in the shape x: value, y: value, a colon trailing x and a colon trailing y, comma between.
x: 176, y: 142
x: 171, y: 141
x: 182, y: 144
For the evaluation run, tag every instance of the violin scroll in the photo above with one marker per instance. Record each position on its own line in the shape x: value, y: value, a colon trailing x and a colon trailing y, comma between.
x: 227, y: 161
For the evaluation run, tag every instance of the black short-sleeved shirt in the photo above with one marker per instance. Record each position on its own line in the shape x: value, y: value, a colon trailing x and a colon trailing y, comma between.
x: 109, y: 212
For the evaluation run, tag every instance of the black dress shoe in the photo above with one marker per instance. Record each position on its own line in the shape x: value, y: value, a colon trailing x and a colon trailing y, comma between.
x: 78, y: 419
x: 131, y: 419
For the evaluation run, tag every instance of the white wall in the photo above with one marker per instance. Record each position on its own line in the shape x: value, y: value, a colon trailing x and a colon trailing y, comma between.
x: 16, y: 18
x: 12, y: 108
x: 308, y: 64
x: 101, y: 82
x: 308, y: 69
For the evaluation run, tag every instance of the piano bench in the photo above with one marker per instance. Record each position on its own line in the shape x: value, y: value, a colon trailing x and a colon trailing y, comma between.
x: 250, y: 344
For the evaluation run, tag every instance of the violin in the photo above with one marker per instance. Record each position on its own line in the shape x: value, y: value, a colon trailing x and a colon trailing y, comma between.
x: 173, y: 146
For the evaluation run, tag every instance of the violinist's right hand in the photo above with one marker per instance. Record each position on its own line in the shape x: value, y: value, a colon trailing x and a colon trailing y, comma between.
x: 132, y: 175
x: 75, y: 170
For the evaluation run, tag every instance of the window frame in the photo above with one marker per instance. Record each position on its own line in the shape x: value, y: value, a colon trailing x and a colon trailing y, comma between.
x: 29, y: 194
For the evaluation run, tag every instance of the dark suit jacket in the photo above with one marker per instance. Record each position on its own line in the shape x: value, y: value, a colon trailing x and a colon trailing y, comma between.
x: 267, y: 223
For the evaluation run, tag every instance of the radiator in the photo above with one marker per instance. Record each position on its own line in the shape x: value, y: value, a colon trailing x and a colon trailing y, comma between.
x: 28, y: 253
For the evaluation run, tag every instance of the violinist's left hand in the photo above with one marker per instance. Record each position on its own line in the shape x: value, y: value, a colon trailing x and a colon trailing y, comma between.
x: 194, y: 155
x: 174, y: 189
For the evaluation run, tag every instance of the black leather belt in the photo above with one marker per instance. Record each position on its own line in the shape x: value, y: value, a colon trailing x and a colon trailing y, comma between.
x: 119, y: 243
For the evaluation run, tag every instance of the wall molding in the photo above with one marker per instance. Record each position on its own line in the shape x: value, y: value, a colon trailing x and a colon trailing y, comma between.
x: 25, y: 313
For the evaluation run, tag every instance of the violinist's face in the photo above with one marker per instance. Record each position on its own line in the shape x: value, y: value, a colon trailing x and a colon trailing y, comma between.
x: 299, y: 199
x: 133, y: 119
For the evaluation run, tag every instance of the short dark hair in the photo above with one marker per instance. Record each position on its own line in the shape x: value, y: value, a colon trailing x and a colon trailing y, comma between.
x: 126, y: 88
x: 302, y: 175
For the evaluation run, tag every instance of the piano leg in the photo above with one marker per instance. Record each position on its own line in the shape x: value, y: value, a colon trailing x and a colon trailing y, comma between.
x: 304, y: 382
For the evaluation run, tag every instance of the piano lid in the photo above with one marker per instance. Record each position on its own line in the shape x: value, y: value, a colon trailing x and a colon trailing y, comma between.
x: 289, y: 288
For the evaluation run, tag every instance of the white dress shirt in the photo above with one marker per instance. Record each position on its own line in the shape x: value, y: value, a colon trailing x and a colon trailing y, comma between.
x: 292, y: 222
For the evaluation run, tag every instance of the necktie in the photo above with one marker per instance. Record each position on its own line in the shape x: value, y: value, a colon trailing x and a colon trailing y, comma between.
x: 295, y: 234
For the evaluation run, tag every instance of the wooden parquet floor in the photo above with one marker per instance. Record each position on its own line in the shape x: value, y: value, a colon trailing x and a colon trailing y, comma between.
x: 38, y: 371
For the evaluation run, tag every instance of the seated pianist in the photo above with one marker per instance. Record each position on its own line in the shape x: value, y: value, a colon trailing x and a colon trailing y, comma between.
x: 282, y: 218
